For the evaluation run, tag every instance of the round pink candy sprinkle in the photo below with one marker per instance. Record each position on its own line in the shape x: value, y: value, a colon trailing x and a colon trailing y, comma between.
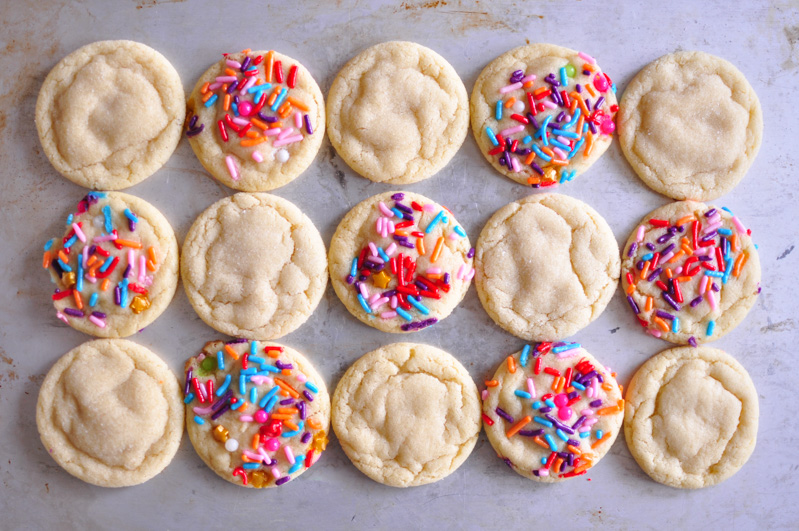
x: 608, y: 126
x: 261, y: 416
x: 272, y: 444
x: 565, y: 413
x: 245, y: 107
x: 601, y: 83
x: 561, y: 400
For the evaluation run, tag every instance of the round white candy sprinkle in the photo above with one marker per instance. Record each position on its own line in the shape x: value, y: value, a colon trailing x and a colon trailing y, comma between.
x: 282, y: 155
x: 231, y: 445
x: 518, y: 106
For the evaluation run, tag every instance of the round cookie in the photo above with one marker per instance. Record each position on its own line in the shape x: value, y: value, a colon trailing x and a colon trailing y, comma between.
x: 116, y: 267
x: 406, y: 414
x: 110, y: 114
x: 690, y: 125
x: 690, y: 272
x: 547, y: 265
x: 406, y: 231
x: 256, y: 120
x: 257, y: 414
x: 397, y: 112
x: 109, y: 413
x: 536, y: 88
x: 691, y: 417
x: 552, y: 411
x: 254, y: 266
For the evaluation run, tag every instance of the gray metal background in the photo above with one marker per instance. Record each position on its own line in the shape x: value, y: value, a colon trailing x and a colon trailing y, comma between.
x: 759, y: 37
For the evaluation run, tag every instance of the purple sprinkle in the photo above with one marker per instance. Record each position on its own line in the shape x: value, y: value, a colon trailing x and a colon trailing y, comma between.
x: 350, y: 279
x: 579, y: 422
x: 308, y: 396
x: 419, y: 325
x: 280, y: 365
x: 530, y: 433
x: 73, y: 312
x: 633, y: 247
x: 117, y: 295
x: 572, y: 395
x: 668, y: 298
x: 236, y: 341
x: 586, y: 72
x: 692, y: 341
x: 666, y: 237
x: 710, y: 235
x: 232, y: 88
x: 545, y: 409
x: 245, y: 63
x: 533, y: 121
x: 127, y: 271
x: 516, y: 76
x: 308, y: 126
x: 301, y: 408
x: 284, y: 479
x: 633, y: 305
x: 390, y: 293
x: 650, y: 246
x: 501, y: 412
x: 195, y: 131
x: 599, y: 102
x: 579, y: 88
x: 186, y: 386
x: 446, y: 278
x: 559, y: 424
x: 221, y: 411
x: 705, y: 259
x: 573, y: 443
x: 99, y: 315
x: 654, y: 274
x: 286, y: 402
x: 592, y: 127
x: 696, y: 301
x: 639, y: 265
x: 710, y: 212
x: 267, y: 119
x: 193, y: 121
x: 715, y: 287
x: 305, y: 437
x: 508, y: 462
x: 667, y: 250
x: 399, y: 196
x: 560, y: 117
x: 664, y: 315
x: 470, y: 254
x: 595, y: 403
x: 131, y: 225
x: 221, y: 402
x: 536, y: 168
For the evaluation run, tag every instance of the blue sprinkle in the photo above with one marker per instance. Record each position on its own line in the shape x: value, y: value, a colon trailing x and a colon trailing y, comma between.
x: 522, y: 394
x: 70, y: 242
x: 491, y: 136
x: 725, y: 232
x: 189, y: 398
x: 269, y: 405
x: 211, y: 100
x: 578, y: 385
x: 220, y: 361
x: 237, y: 405
x: 716, y: 274
x: 131, y: 216
x: 253, y: 349
x: 235, y: 108
x: 254, y: 395
x: 561, y: 145
x: 538, y: 404
x: 223, y: 388
x: 459, y: 231
x: 432, y: 224
x: 543, y: 460
x: 269, y: 369
x: 93, y: 299
x: 599, y: 434
x: 675, y: 325
x: 311, y: 386
x: 405, y: 315
x: 567, y: 134
x: 199, y: 420
x: 550, y: 442
x: 249, y: 371
x: 250, y: 466
x: 585, y: 434
x: 354, y: 268
x: 106, y: 264
x: 727, y: 210
x: 280, y: 97
x: 543, y: 422
x: 256, y: 359
x: 540, y: 153
x: 563, y: 79
x: 268, y: 396
x: 109, y: 226
x: 364, y: 305
x: 397, y: 212
x: 564, y: 348
x: 418, y: 305
x: 711, y: 325
x: 300, y: 427
x: 298, y: 462
x: 549, y: 402
x: 527, y: 139
x: 242, y: 385
x: 259, y: 88
x: 498, y: 111
x: 648, y: 256
x: 563, y: 437
x: 70, y: 218
x: 525, y: 355
x: 49, y: 244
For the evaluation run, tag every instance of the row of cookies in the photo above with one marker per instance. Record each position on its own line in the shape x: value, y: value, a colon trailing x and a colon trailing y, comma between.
x: 689, y: 124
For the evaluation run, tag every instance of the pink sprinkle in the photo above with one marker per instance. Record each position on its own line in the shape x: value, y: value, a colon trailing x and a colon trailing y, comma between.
x: 285, y: 133
x: 272, y: 132
x: 655, y: 333
x: 590, y: 422
x: 587, y: 412
x: 739, y: 225
x: 297, y: 120
x: 91, y: 279
x: 106, y: 238
x: 275, y: 472
x: 364, y: 291
x: 379, y: 225
x: 584, y: 429
x: 711, y: 228
x: 85, y: 252
x: 388, y: 315
x: 289, y: 454
x: 97, y: 321
x: 245, y: 418
x: 373, y: 248
x: 711, y: 299
x: 259, y: 379
x: 379, y: 302
x: 391, y: 227
x: 433, y: 271
x: 79, y: 233
x: 512, y: 130
x: 231, y: 168
x: 586, y: 57
x: 509, y: 88
x: 233, y: 64
x: 677, y: 270
x: 563, y: 140
x: 289, y: 140
x: 453, y: 235
x: 549, y: 104
x: 703, y: 284
x: 257, y: 157
x: 385, y: 210
x: 639, y: 236
x: 391, y: 248
x: 373, y: 298
x: 543, y: 472
x: 131, y: 259
x: 531, y: 387
x: 225, y: 79
x: 460, y: 271
x: 263, y: 453
x: 240, y: 121
x: 665, y: 258
x: 300, y: 377
x: 531, y: 77
x: 215, y: 85
x: 515, y: 164
x: 484, y: 394
x: 470, y: 275
x: 429, y: 207
x: 560, y: 153
x: 393, y: 302
x: 251, y: 454
x: 250, y: 82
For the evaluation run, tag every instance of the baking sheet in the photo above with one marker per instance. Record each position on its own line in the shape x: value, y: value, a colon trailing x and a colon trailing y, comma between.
x: 758, y: 36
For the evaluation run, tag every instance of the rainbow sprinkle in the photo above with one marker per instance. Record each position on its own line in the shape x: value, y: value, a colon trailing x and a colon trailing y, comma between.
x: 86, y: 269
x: 255, y: 97
x: 389, y: 276
x: 562, y: 413
x: 271, y: 393
x: 691, y: 262
x: 549, y: 125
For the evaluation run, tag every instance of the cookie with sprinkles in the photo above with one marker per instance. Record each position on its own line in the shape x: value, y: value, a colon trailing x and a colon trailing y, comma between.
x: 690, y: 125
x: 407, y: 414
x: 692, y: 416
x: 542, y: 114
x: 254, y: 265
x: 256, y: 120
x: 110, y: 114
x: 397, y: 112
x: 400, y: 262
x: 547, y: 266
x: 690, y: 272
x: 552, y: 411
x: 109, y: 412
x: 115, y: 269
x: 257, y: 413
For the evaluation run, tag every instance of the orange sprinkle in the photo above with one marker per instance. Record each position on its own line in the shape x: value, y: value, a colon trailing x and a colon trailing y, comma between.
x: 288, y: 410
x: 226, y: 102
x: 574, y: 450
x: 528, y: 84
x: 607, y: 387
x: 256, y: 441
x: 518, y: 426
x: 437, y: 249
x: 548, y: 151
x: 275, y: 125
x: 252, y: 134
x: 739, y: 264
x: 269, y: 67
x: 247, y: 459
x: 246, y: 51
x: 540, y: 90
x: 584, y: 466
x: 205, y: 87
x: 150, y: 265
x: 589, y: 144
x: 230, y: 352
x: 687, y: 249
x: 510, y: 102
x: 530, y: 158
x: 620, y: 403
x: 259, y: 124
x: 272, y: 352
x: 650, y: 302
x: 273, y: 96
x: 401, y: 232
x: 539, y: 442
x: 608, y: 410
x: 682, y: 221
x: 645, y: 270
x: 491, y: 383
x: 285, y: 393
x: 589, y: 67
x: 313, y: 423
x: 668, y: 272
x: 280, y: 416
x: 436, y: 276
x: 78, y: 299
x: 253, y: 142
x: 297, y: 103
x: 677, y: 256
x: 661, y: 323
x: 46, y: 259
x: 511, y: 364
x: 104, y: 284
x: 630, y: 289
x: 557, y: 463
x: 734, y: 242
x: 128, y: 243
x: 207, y: 96
x: 285, y: 385
x: 284, y: 110
x: 290, y: 425
x: 561, y: 384
x: 590, y: 90
x: 63, y: 256
x: 684, y: 279
x: 600, y: 441
x: 230, y: 72
x: 90, y: 262
x: 558, y: 162
x: 579, y: 129
x: 533, y: 180
x: 579, y: 99
x: 420, y: 246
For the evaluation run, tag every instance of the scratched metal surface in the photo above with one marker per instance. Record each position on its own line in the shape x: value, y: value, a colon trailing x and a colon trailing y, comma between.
x: 760, y: 40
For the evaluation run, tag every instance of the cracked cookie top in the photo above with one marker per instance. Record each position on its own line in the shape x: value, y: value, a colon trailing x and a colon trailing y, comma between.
x: 397, y: 112
x: 256, y: 120
x: 691, y: 417
x: 547, y: 266
x: 110, y: 114
x: 406, y: 414
x: 110, y: 413
x: 690, y: 125
x: 254, y: 266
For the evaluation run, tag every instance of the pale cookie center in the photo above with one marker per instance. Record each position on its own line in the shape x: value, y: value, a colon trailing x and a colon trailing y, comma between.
x: 114, y: 412
x: 695, y: 418
x: 104, y: 110
x: 697, y: 129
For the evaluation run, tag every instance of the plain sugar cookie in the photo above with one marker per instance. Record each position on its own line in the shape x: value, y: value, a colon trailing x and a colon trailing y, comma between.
x: 690, y: 125
x: 547, y: 266
x: 542, y: 114
x: 110, y: 114
x: 552, y: 411
x: 406, y: 414
x: 257, y: 413
x: 691, y: 417
x: 691, y: 272
x: 115, y: 269
x: 400, y: 262
x: 254, y: 266
x: 110, y: 413
x: 256, y: 120
x: 397, y: 112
